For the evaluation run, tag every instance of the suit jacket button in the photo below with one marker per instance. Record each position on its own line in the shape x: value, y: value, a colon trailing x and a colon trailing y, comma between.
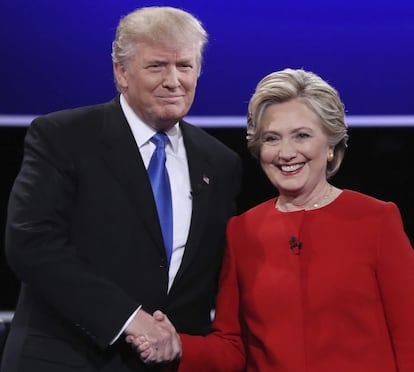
x: 163, y: 264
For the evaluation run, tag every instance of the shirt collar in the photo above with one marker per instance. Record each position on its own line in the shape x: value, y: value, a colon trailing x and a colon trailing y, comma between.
x: 143, y: 132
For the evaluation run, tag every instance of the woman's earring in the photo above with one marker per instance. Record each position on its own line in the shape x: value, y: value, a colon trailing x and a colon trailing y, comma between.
x: 330, y: 156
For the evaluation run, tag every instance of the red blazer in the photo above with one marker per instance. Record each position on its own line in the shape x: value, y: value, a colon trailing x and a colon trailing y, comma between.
x: 343, y: 303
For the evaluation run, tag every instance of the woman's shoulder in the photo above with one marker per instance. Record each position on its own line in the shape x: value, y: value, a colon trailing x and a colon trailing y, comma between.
x: 359, y: 197
x: 351, y: 199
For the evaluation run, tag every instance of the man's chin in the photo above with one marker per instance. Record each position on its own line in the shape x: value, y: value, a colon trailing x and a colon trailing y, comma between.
x: 173, y: 114
x: 166, y: 122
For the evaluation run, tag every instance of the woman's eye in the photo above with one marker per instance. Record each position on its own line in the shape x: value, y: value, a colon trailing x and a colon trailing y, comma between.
x: 269, y: 139
x: 303, y: 135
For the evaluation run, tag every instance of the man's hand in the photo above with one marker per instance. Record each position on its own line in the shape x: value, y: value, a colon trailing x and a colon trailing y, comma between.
x: 154, y: 337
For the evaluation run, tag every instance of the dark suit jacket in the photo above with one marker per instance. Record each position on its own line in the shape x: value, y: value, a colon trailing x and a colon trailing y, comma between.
x: 84, y: 238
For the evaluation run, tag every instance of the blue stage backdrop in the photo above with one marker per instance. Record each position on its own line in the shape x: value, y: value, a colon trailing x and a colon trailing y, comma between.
x: 56, y: 54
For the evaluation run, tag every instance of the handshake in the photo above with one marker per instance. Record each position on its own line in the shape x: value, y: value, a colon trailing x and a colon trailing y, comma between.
x: 153, y: 337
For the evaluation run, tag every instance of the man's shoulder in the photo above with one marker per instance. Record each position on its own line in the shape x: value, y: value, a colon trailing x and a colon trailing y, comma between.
x: 77, y: 125
x: 72, y: 121
x: 81, y: 113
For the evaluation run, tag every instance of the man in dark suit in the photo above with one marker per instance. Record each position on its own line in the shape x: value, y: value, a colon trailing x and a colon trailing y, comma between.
x: 83, y: 232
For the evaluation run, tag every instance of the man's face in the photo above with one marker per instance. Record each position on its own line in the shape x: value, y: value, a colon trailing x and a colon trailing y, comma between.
x: 159, y: 82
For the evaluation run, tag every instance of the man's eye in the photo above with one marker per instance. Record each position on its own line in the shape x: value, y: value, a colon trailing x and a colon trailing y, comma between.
x: 185, y: 67
x: 154, y: 66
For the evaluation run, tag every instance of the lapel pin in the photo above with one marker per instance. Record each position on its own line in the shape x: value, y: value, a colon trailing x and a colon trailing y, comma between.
x: 206, y: 180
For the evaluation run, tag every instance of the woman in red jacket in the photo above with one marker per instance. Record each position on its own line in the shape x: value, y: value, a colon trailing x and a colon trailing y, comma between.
x: 318, y: 279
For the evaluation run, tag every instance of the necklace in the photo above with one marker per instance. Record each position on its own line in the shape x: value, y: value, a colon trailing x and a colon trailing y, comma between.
x: 324, y: 197
x: 315, y: 205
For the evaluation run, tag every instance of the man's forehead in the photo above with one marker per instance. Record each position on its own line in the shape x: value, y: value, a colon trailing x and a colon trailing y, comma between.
x: 165, y: 51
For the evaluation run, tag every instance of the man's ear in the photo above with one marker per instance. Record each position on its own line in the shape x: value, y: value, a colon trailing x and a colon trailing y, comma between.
x: 120, y: 75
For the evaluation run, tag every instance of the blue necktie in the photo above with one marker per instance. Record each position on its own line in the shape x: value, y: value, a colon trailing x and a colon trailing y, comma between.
x: 160, y: 183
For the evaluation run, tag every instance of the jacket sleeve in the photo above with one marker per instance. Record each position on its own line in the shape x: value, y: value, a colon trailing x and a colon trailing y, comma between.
x: 395, y: 272
x: 221, y: 350
x: 38, y: 244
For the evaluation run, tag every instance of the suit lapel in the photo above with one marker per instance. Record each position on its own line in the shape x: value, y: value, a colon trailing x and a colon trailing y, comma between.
x: 122, y: 157
x: 202, y: 175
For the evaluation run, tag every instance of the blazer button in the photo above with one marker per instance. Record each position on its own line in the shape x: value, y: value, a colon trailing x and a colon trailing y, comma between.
x: 163, y: 264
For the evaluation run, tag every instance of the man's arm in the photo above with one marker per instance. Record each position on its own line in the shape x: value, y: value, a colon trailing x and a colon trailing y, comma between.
x: 39, y: 247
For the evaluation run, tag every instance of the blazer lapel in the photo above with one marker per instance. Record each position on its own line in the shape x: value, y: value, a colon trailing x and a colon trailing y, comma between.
x: 122, y: 156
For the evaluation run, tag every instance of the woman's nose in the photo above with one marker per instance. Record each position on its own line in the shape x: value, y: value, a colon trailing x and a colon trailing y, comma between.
x: 287, y: 150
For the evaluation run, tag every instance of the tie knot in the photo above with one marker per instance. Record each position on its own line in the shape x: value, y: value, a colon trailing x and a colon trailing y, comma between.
x: 159, y: 139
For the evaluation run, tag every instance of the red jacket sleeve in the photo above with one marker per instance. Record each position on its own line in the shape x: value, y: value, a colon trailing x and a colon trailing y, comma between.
x: 395, y: 272
x: 222, y: 350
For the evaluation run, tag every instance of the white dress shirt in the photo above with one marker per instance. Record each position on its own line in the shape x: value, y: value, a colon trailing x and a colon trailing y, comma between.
x: 178, y: 173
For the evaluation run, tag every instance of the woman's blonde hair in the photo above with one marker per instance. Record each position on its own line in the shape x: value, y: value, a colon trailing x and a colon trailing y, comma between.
x: 309, y: 88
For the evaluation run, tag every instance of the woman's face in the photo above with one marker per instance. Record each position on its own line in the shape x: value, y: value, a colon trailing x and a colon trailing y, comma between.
x: 294, y: 148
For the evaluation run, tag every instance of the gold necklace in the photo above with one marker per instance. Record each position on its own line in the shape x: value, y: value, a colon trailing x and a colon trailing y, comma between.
x: 315, y: 205
x: 324, y: 197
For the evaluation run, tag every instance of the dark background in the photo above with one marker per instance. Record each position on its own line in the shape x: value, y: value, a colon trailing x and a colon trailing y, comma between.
x: 378, y: 162
x: 56, y: 55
